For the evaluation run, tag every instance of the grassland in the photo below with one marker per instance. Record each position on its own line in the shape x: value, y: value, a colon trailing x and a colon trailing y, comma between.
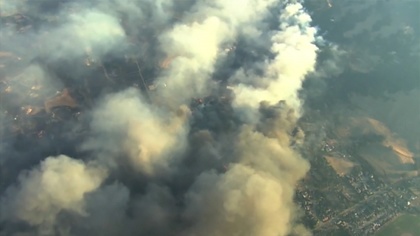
x: 404, y: 225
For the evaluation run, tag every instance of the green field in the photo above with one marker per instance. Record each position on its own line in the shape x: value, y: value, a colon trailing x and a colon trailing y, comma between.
x: 404, y: 225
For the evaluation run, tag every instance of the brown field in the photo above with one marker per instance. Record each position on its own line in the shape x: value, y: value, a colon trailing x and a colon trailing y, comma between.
x: 387, y: 163
x: 62, y: 99
x: 340, y: 166
x: 390, y: 157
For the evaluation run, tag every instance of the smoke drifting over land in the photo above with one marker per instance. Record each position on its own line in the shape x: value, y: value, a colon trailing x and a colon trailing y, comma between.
x: 141, y: 158
x: 374, y: 69
x: 58, y: 184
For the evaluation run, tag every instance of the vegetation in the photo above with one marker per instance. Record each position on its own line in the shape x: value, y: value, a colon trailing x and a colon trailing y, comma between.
x: 404, y: 225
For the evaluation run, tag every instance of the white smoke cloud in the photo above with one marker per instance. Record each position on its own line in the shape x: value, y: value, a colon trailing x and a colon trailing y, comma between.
x: 142, y: 19
x: 253, y: 196
x: 86, y: 32
x: 196, y: 48
x: 242, y: 201
x: 126, y: 124
x: 196, y: 43
x: 73, y: 35
x: 59, y: 183
x: 11, y: 7
x: 277, y: 158
x: 296, y: 53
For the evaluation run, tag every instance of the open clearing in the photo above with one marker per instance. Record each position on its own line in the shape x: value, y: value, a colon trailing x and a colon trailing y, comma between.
x: 404, y: 225
x: 341, y: 166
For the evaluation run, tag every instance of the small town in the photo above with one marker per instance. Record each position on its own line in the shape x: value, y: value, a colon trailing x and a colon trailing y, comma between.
x: 358, y: 202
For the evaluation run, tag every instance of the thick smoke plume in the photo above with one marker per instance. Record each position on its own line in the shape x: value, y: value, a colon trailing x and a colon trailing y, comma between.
x: 255, y: 194
x: 160, y: 142
x: 295, y: 56
x: 57, y: 184
x: 126, y: 125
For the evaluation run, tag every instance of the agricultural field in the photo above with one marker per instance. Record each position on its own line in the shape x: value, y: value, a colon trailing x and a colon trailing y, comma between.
x: 404, y: 225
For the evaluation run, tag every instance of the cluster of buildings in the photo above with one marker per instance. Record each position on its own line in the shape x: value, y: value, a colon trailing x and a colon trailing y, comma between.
x: 362, y: 182
x: 355, y: 203
x: 369, y: 215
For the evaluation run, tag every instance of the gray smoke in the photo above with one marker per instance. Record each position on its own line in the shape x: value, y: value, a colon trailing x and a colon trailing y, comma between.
x: 146, y: 161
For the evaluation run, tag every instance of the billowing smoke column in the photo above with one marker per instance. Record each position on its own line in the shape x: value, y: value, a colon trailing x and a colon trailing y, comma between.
x: 295, y: 56
x: 150, y: 163
x: 59, y: 183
